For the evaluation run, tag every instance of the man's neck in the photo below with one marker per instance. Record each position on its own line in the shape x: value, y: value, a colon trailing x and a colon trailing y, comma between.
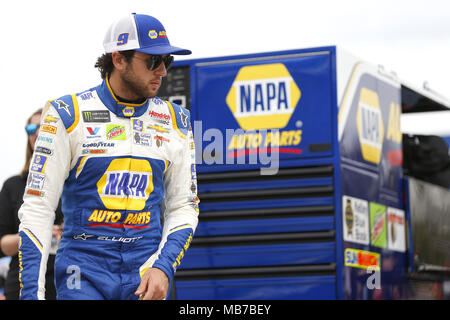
x: 121, y: 92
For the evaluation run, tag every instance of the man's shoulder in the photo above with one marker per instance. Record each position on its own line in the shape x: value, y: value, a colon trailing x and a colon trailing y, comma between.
x: 67, y: 107
x: 181, y: 117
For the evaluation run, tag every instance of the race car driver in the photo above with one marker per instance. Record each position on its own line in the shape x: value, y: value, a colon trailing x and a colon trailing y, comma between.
x: 120, y: 157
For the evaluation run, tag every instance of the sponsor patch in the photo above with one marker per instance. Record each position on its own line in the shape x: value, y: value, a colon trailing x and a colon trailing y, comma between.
x: 138, y: 125
x: 94, y: 151
x: 128, y: 111
x: 39, y: 163
x: 48, y: 128
x: 93, y: 132
x: 45, y: 139
x: 396, y: 229
x: 378, y: 230
x: 86, y: 96
x: 356, y: 220
x: 153, y: 34
x: 361, y: 259
x: 96, y: 116
x: 99, y: 144
x: 126, y: 184
x: 143, y: 139
x: 43, y: 150
x: 115, y: 132
x: 35, y: 181
x: 158, y: 128
x: 35, y: 192
x: 160, y: 140
x: 50, y: 119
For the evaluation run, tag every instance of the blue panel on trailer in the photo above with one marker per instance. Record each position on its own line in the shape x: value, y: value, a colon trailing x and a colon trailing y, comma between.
x: 257, y: 185
x: 216, y: 206
x: 253, y: 226
x: 259, y: 255
x: 241, y: 101
x: 447, y: 139
x: 285, y: 288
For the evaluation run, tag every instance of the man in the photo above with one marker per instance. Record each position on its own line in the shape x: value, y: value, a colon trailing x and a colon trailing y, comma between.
x: 120, y: 157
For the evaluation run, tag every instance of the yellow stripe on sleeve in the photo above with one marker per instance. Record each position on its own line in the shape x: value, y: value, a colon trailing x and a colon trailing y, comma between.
x: 77, y: 114
x: 174, y: 120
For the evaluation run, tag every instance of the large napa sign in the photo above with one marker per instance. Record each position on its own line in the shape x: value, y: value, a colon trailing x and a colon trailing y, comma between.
x: 263, y: 97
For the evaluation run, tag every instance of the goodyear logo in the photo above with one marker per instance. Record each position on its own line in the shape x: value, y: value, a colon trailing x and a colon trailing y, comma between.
x: 126, y: 184
x: 263, y: 96
x: 369, y: 122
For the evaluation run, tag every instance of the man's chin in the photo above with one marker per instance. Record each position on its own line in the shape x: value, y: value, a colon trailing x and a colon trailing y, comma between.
x: 152, y: 94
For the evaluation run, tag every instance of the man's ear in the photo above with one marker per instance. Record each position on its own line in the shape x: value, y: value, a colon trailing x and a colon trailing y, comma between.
x: 119, y: 61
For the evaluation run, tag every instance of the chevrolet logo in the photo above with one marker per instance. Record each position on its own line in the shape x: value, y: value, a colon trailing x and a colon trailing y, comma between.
x: 158, y: 128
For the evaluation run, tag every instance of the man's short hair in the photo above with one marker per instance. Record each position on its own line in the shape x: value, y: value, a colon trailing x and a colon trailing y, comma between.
x: 105, y: 64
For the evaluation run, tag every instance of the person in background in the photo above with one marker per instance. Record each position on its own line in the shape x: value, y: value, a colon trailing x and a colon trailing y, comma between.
x: 11, y: 198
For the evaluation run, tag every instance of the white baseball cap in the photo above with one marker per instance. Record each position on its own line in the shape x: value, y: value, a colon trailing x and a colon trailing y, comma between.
x: 142, y: 33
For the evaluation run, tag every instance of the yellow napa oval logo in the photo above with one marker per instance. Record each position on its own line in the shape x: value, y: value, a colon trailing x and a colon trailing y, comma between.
x: 126, y: 184
x: 153, y: 34
x: 369, y: 122
x: 263, y: 96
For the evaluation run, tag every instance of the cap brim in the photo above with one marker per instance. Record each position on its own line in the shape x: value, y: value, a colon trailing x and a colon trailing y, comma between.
x: 164, y: 50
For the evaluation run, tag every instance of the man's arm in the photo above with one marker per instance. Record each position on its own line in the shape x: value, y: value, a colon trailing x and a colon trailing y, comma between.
x: 180, y: 220
x: 9, y: 244
x: 49, y: 168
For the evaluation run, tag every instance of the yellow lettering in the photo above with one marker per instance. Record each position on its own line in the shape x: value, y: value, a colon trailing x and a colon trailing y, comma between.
x: 183, y: 250
x: 256, y: 140
x: 394, y: 133
x: 134, y: 219
x: 284, y: 138
x: 297, y: 137
x: 116, y: 216
x: 272, y: 139
x: 101, y: 215
x: 128, y: 218
x: 240, y: 142
x: 232, y: 144
x: 93, y: 216
x: 141, y: 218
x: 108, y: 215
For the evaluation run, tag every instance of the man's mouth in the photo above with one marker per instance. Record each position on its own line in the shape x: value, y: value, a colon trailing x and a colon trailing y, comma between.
x: 155, y: 83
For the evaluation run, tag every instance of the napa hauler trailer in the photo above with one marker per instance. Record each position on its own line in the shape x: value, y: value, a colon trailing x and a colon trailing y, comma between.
x: 303, y: 194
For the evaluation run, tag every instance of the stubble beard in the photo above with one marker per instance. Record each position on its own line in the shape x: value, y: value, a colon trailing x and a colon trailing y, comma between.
x: 135, y: 86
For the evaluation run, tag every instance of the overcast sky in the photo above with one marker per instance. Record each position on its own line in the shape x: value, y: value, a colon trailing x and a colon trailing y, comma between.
x: 49, y: 48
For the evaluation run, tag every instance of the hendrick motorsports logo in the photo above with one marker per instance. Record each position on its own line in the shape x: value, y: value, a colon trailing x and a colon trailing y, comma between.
x: 263, y: 97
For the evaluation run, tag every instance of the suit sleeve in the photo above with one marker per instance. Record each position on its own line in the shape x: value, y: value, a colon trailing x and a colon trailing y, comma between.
x: 181, y: 210
x: 49, y: 168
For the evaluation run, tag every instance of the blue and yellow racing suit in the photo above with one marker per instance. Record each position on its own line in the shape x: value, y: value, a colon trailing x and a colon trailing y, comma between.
x: 119, y: 169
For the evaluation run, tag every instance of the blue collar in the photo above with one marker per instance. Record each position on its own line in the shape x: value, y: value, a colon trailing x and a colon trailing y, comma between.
x: 120, y: 109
